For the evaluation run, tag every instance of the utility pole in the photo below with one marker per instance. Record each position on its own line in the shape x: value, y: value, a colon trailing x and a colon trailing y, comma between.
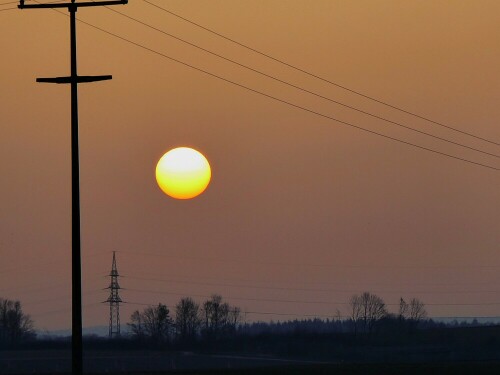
x: 114, y: 301
x: 74, y: 79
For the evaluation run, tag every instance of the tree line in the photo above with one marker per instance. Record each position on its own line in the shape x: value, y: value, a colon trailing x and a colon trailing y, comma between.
x: 367, y: 310
x: 366, y: 331
x: 214, y: 319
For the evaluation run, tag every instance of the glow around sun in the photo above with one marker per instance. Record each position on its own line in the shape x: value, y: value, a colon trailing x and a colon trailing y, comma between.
x: 183, y: 173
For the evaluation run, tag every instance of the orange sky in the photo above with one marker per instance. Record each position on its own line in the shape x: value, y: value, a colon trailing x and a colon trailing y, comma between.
x: 296, y: 201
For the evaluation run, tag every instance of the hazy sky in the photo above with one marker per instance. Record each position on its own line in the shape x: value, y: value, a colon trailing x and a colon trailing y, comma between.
x: 300, y: 208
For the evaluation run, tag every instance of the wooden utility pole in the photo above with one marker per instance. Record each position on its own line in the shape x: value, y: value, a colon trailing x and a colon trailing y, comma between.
x: 74, y: 79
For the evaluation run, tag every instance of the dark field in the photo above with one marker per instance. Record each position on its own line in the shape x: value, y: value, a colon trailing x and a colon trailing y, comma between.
x: 159, y: 362
x: 58, y: 361
x: 365, y: 369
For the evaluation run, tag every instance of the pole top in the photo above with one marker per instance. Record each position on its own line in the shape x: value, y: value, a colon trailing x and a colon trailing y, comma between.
x: 72, y: 4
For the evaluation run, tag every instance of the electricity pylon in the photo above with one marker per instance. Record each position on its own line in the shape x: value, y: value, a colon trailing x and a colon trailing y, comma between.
x: 74, y: 79
x: 114, y: 301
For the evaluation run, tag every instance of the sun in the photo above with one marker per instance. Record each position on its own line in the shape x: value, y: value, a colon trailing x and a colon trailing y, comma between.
x: 183, y: 173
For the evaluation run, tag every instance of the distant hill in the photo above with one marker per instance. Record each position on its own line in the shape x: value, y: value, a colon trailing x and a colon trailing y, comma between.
x: 101, y: 331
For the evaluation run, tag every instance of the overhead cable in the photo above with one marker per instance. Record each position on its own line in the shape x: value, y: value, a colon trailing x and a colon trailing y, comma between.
x: 284, y: 101
x: 321, y: 78
x: 301, y: 88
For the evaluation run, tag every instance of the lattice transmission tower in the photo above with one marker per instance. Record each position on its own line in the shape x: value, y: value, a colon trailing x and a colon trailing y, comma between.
x: 114, y: 301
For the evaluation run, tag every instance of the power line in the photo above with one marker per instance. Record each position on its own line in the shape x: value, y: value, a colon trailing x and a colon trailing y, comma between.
x: 301, y: 88
x: 319, y: 265
x: 309, y: 282
x: 281, y: 100
x: 50, y: 312
x: 322, y: 78
x: 65, y: 298
x: 138, y: 303
x: 235, y: 298
x: 266, y: 287
x: 286, y: 102
x: 34, y: 290
x: 24, y: 292
x: 331, y: 316
x: 298, y: 301
x: 257, y: 312
x: 52, y: 261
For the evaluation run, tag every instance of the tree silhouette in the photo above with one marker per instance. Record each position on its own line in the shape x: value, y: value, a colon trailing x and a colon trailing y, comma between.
x: 416, y: 312
x: 187, y: 319
x: 154, y: 323
x: 15, y: 325
x: 219, y: 318
x: 411, y: 314
x: 366, y: 310
x: 403, y: 310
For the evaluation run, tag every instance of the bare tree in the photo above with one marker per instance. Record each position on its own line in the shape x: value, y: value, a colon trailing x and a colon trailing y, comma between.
x: 373, y: 309
x: 153, y: 323
x: 235, y: 317
x: 403, y: 310
x: 215, y: 314
x: 411, y: 314
x: 367, y: 309
x: 338, y: 316
x: 416, y: 311
x: 355, y: 312
x: 219, y: 317
x: 15, y: 325
x: 187, y: 319
x: 136, y: 325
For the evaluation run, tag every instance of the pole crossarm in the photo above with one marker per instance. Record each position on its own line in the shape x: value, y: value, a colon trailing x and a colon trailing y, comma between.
x: 79, y: 79
x: 22, y: 5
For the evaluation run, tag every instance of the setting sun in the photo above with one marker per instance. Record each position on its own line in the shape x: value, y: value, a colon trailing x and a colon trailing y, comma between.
x: 183, y: 173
